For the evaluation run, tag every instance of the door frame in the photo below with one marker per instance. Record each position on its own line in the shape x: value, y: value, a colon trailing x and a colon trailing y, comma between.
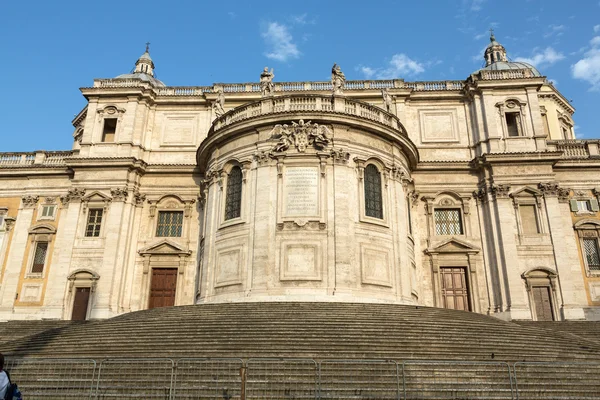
x: 150, y: 287
x: 467, y: 285
x: 539, y: 277
x: 78, y: 279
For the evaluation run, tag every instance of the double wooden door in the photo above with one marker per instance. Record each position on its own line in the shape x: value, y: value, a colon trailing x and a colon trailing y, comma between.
x: 455, y: 292
x: 163, y: 287
x: 542, y: 302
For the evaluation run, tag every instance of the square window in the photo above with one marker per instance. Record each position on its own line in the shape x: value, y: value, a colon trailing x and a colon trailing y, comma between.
x: 448, y: 221
x: 170, y: 224
x: 47, y: 211
x: 94, y: 222
x: 39, y: 257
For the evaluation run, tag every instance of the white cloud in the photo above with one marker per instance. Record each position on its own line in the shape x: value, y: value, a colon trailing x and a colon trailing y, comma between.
x: 476, y: 5
x: 399, y: 65
x: 555, y: 30
x: 596, y: 28
x: 279, y: 40
x: 302, y: 19
x: 547, y: 56
x: 588, y: 68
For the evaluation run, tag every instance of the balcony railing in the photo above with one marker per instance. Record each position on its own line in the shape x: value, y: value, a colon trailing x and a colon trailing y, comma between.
x: 315, y: 103
x: 576, y: 149
x: 487, y: 75
x: 46, y: 158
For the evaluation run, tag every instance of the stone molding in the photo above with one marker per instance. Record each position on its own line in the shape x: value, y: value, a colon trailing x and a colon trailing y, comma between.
x: 553, y: 189
x: 72, y: 194
x: 29, y: 201
x: 119, y: 194
x: 9, y: 223
x: 500, y: 191
x: 138, y: 198
x: 340, y: 156
x: 301, y: 224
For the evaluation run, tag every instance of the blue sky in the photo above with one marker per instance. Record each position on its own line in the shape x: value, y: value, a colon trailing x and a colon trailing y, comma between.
x: 48, y: 50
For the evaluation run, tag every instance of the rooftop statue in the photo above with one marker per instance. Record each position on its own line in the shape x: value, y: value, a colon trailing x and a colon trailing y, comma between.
x: 219, y: 104
x: 387, y: 100
x: 338, y: 79
x: 266, y: 82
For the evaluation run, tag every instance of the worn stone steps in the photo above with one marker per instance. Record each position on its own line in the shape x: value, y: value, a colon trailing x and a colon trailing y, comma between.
x: 314, y: 330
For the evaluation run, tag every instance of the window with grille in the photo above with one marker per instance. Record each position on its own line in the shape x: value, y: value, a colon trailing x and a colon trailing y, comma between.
x: 94, y: 222
x: 170, y: 224
x: 233, y: 198
x: 448, y: 221
x: 373, y: 200
x: 592, y: 255
x: 39, y: 257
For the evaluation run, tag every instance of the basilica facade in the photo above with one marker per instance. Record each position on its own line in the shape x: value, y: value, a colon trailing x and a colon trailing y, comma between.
x: 471, y: 195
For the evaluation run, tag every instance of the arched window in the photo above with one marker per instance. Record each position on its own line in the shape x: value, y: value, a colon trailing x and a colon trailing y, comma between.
x: 233, y: 198
x: 373, y: 202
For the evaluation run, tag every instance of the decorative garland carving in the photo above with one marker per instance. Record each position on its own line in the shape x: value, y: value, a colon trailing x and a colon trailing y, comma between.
x: 72, y: 194
x: 301, y: 224
x: 499, y: 191
x: 29, y: 201
x: 552, y: 189
x: 480, y: 195
x: 340, y: 156
x: 119, y: 194
x: 9, y: 223
x: 263, y: 157
x: 138, y: 198
x: 301, y: 135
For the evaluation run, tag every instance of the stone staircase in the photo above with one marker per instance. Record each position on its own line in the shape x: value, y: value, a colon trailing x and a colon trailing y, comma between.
x: 12, y: 330
x: 588, y: 330
x: 310, y: 330
x: 305, y: 350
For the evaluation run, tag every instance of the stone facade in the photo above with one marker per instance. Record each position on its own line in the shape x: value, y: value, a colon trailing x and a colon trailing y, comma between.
x: 466, y: 194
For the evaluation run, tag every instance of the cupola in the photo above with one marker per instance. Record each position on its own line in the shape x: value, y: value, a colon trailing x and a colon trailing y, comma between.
x: 496, y: 59
x: 144, y: 70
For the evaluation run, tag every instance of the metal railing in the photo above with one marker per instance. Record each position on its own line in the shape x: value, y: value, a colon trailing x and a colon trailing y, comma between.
x: 288, y: 378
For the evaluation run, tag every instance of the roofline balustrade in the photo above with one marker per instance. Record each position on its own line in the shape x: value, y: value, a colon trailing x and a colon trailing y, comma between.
x: 36, y: 158
x: 576, y: 148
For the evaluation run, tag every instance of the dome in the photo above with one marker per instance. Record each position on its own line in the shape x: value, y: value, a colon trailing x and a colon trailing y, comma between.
x: 143, y: 77
x: 504, y: 65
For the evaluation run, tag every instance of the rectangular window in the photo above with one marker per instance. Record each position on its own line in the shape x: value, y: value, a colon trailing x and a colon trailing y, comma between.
x: 408, y: 216
x: 448, y: 221
x: 47, y: 212
x: 513, y: 123
x: 109, y: 130
x: 94, y: 222
x: 170, y: 224
x: 39, y: 257
x: 529, y: 220
x: 583, y: 205
x: 592, y: 255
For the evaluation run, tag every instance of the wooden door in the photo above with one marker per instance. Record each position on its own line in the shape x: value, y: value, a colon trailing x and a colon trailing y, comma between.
x: 80, y: 303
x: 162, y: 287
x: 455, y: 293
x: 542, y: 303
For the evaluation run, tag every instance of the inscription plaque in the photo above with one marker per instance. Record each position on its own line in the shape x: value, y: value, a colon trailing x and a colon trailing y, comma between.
x: 301, y: 192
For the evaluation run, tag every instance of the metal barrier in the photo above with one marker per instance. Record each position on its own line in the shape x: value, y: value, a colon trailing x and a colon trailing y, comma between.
x: 359, y: 379
x: 269, y: 378
x: 137, y: 378
x: 203, y: 378
x: 53, y: 378
x: 456, y: 380
x: 552, y: 381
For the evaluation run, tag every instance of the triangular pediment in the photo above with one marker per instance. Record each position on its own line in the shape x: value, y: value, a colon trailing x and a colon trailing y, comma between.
x: 526, y: 192
x: 96, y: 196
x: 453, y: 245
x: 164, y: 247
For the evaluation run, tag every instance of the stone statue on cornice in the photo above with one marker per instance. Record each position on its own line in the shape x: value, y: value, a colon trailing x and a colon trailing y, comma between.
x: 219, y: 104
x: 266, y: 82
x: 338, y: 79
